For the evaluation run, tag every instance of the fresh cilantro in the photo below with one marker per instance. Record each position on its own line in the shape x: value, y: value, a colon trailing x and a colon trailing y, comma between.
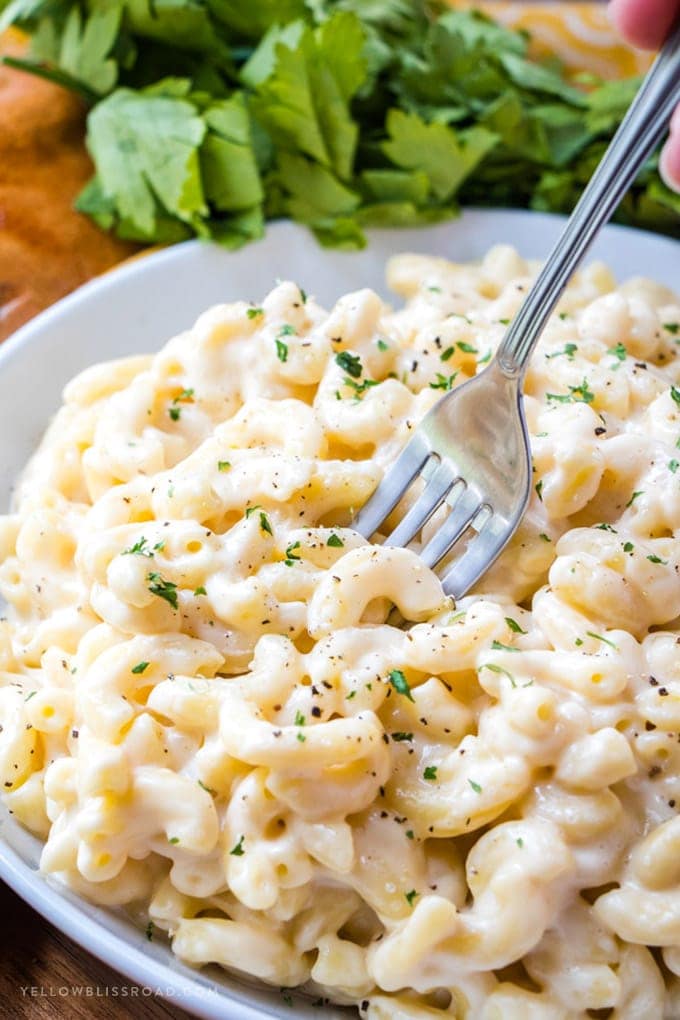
x: 335, y: 541
x: 139, y: 668
x: 400, y: 683
x: 237, y: 850
x: 514, y: 626
x: 430, y: 773
x: 163, y: 589
x: 340, y: 115
x: 350, y: 363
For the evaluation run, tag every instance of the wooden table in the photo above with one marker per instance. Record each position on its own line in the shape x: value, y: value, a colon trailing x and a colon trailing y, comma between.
x: 38, y: 962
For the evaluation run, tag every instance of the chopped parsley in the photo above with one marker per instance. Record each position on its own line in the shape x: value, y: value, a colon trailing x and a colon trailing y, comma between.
x: 140, y: 548
x: 31, y: 695
x: 350, y: 363
x: 185, y: 397
x: 299, y: 719
x: 578, y: 642
x: 539, y: 489
x: 410, y: 834
x: 493, y: 668
x: 335, y: 542
x: 444, y: 382
x: 672, y: 327
x: 237, y: 850
x: 287, y: 330
x: 673, y: 465
x: 628, y: 547
x: 400, y: 683
x: 607, y: 527
x: 498, y: 646
x: 264, y: 520
x: 206, y: 788
x: 399, y: 737
x: 514, y: 626
x: 619, y: 352
x: 430, y: 772
x: 358, y: 388
x: 567, y: 351
x: 632, y: 499
x: 606, y: 641
x: 675, y: 394
x: 382, y: 346
x: 253, y: 313
x: 445, y: 355
x: 544, y: 537
x: 174, y: 840
x: 162, y: 588
x: 657, y: 559
x: 520, y: 842
x: 577, y: 394
x: 303, y: 295
x: 291, y: 555
x: 475, y: 786
x: 149, y: 931
x: 223, y: 465
x: 410, y: 896
x: 200, y: 590
x: 139, y: 668
x: 466, y: 348
x: 281, y: 350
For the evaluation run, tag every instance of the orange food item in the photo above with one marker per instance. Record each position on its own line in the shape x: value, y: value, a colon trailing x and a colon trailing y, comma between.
x: 46, y: 248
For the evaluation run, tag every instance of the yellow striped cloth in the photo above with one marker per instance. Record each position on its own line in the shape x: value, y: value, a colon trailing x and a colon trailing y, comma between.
x: 580, y: 34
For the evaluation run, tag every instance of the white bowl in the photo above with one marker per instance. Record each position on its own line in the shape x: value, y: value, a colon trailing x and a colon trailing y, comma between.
x: 135, y: 309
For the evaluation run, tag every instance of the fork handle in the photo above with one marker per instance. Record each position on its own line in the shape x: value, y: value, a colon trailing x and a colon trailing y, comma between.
x: 641, y: 130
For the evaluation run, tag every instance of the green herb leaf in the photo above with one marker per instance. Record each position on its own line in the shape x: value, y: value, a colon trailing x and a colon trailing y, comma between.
x: 335, y: 541
x: 163, y: 589
x: 430, y: 773
x: 140, y: 667
x: 514, y: 626
x: 281, y: 350
x: 400, y: 683
x: 237, y: 850
x: 475, y: 786
x: 254, y: 313
x: 350, y: 363
x: 410, y: 897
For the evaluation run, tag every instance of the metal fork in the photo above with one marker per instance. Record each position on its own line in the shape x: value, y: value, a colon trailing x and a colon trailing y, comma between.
x: 472, y: 448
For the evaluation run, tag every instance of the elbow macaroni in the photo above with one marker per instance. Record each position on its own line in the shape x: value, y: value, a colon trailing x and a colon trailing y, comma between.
x: 205, y: 708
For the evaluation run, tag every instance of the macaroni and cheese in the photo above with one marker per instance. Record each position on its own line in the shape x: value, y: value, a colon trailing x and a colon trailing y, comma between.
x: 209, y: 716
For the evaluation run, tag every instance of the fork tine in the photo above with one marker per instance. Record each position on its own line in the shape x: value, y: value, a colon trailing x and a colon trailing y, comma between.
x: 430, y: 498
x: 393, y: 486
x: 483, y: 549
x: 463, y: 511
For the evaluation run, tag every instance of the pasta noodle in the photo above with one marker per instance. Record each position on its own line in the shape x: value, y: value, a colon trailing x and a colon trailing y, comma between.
x: 208, y: 714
